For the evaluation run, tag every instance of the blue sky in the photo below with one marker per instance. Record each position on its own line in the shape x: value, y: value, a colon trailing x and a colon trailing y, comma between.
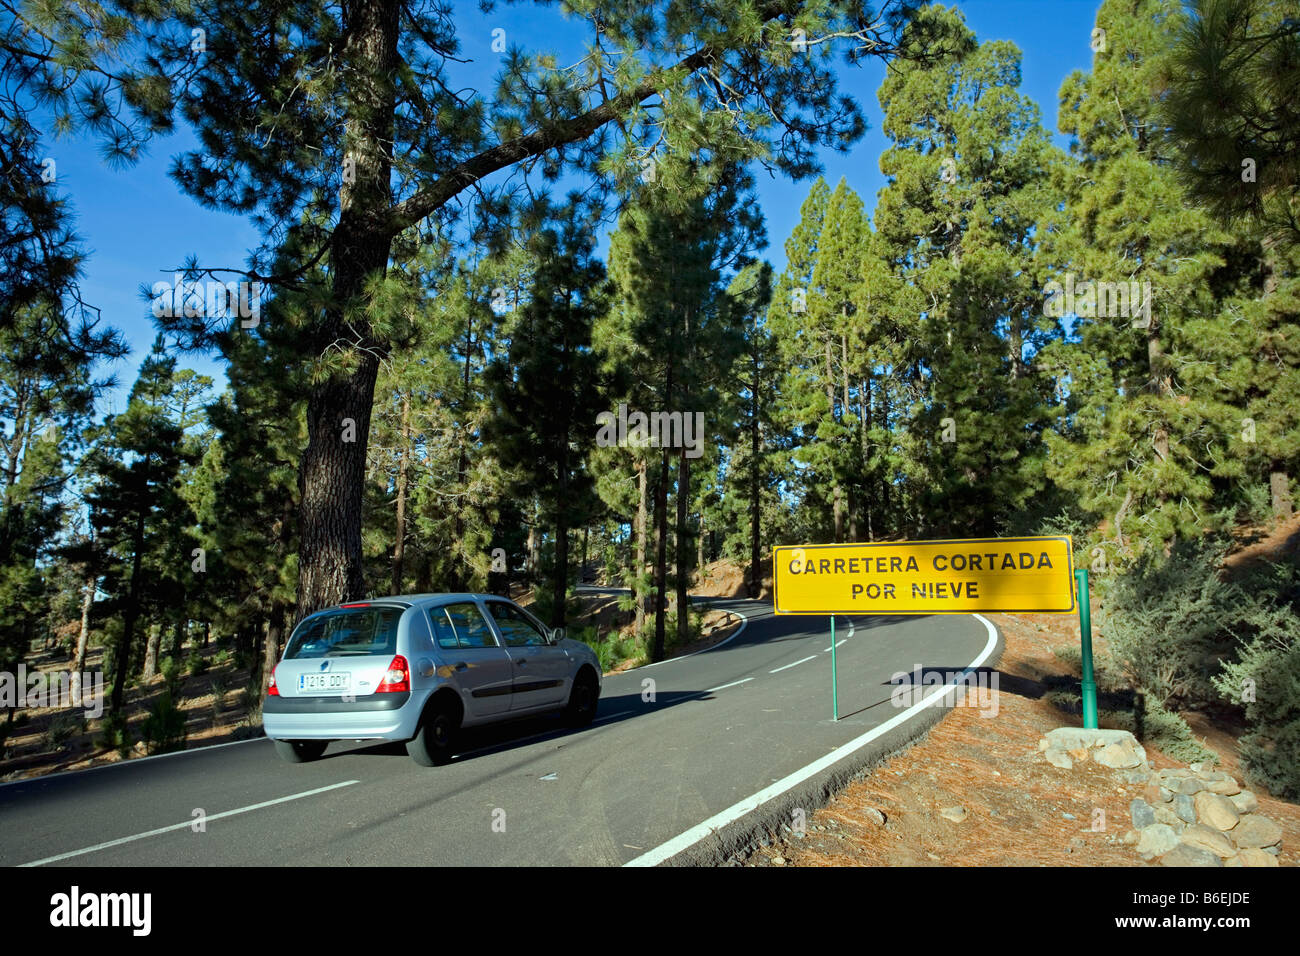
x: 137, y: 226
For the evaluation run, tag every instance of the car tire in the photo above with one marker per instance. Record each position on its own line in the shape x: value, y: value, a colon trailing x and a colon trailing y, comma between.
x: 432, y: 743
x: 581, y: 709
x: 300, y: 751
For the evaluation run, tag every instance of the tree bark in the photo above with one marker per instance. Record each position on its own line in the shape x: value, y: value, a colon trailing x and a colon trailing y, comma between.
x: 836, y: 491
x: 683, y: 549
x: 638, y: 587
x: 399, y: 542
x: 83, y: 636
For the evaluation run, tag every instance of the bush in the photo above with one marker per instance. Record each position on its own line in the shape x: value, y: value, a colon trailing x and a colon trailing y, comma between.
x: 61, y: 729
x: 196, y: 664
x: 1170, y: 621
x: 173, y: 676
x: 1264, y: 679
x: 163, y: 730
x: 115, y: 733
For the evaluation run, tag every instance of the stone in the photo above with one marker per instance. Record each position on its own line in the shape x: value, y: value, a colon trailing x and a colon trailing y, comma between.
x: 1140, y: 775
x: 1141, y: 814
x: 1256, y: 831
x: 1185, y: 807
x: 1042, y: 745
x: 1216, y: 811
x: 1189, y: 785
x: 1074, y: 738
x: 1078, y: 754
x: 1223, y: 785
x: 1245, y: 802
x: 1206, y: 838
x: 1252, y: 856
x: 1156, y: 840
x: 1165, y: 814
x: 955, y: 814
x: 875, y: 816
x: 1059, y: 758
x: 1130, y: 838
x: 1154, y: 793
x: 1176, y: 773
x: 1184, y: 855
x: 778, y: 861
x: 1121, y: 755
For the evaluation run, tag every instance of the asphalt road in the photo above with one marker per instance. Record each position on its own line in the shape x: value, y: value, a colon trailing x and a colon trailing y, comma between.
x: 723, y: 725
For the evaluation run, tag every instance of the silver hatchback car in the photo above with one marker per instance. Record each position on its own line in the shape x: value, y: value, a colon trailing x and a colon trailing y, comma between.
x: 417, y: 669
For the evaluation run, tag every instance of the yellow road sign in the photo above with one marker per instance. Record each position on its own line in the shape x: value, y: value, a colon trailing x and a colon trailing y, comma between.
x: 926, y: 577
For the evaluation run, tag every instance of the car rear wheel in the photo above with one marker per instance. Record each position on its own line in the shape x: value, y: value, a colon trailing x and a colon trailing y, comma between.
x: 582, y: 699
x: 300, y: 751
x: 432, y: 743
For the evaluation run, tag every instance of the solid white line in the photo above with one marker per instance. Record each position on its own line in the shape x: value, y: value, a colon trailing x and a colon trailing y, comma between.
x: 734, y: 683
x: 737, y: 810
x: 621, y: 713
x: 190, y: 823
x: 795, y: 664
x: 744, y: 622
x: 837, y: 644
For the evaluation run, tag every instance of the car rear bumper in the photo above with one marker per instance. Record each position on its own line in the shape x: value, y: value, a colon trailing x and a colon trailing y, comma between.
x: 376, y: 716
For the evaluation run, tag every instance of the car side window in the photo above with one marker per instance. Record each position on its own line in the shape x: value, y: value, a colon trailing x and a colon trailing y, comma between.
x: 465, y: 623
x: 517, y: 629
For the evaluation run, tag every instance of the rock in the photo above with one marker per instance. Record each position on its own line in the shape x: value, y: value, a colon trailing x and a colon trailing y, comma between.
x: 1130, y: 838
x: 1075, y: 738
x: 1069, y: 816
x: 1252, y: 856
x: 1121, y: 755
x: 1184, y: 855
x: 1165, y: 814
x: 1216, y: 811
x: 1189, y: 785
x: 955, y: 814
x: 875, y: 816
x: 1059, y: 758
x: 778, y: 861
x: 1256, y: 831
x: 1140, y: 775
x: 1042, y: 744
x: 1154, y: 793
x: 1245, y: 802
x: 1078, y: 754
x: 1206, y: 838
x: 1175, y: 773
x: 1141, y: 814
x: 1275, y: 849
x: 1156, y: 840
x: 1222, y: 784
x: 1185, y: 807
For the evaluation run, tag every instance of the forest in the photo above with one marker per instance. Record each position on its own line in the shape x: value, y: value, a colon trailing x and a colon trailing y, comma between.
x: 527, y: 338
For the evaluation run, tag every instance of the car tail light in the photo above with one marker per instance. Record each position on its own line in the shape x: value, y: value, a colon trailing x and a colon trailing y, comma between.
x: 272, y: 691
x: 398, y: 678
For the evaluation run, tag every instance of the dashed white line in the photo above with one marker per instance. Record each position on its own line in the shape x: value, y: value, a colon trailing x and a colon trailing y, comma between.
x: 795, y: 664
x: 732, y: 684
x: 189, y: 823
x: 837, y: 644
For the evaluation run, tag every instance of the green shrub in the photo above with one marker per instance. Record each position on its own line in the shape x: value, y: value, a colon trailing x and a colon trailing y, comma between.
x: 173, y: 676
x: 115, y: 733
x: 61, y: 729
x: 196, y: 664
x: 1264, y: 679
x: 163, y: 730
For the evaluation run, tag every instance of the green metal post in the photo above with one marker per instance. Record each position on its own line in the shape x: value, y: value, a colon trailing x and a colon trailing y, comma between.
x: 1085, y: 632
x: 835, y: 685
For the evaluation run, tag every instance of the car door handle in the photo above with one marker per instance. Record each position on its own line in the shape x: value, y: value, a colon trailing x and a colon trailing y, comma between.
x: 520, y: 663
x: 462, y: 666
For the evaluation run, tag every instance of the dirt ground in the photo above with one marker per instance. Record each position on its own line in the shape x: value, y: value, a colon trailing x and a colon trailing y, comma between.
x: 1019, y: 809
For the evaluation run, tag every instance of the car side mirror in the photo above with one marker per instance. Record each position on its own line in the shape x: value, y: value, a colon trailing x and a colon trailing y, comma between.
x: 555, y: 634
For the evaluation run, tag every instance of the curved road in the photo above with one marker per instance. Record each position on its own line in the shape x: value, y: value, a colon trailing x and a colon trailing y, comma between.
x: 723, y: 726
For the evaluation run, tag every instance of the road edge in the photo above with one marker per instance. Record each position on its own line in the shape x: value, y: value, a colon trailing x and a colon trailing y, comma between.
x: 746, y: 832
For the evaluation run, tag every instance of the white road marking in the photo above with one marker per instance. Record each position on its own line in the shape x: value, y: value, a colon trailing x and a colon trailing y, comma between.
x: 744, y: 622
x: 734, y: 683
x: 119, y: 764
x: 837, y: 644
x: 795, y: 664
x: 734, y: 812
x: 621, y: 713
x: 189, y: 823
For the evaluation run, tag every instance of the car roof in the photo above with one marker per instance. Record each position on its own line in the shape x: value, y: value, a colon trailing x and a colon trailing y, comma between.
x: 429, y: 599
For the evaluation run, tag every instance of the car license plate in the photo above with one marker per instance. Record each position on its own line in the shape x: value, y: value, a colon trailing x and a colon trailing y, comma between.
x: 339, y: 682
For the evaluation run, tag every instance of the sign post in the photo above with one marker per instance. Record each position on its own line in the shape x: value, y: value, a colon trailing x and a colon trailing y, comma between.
x: 835, y: 681
x: 1085, y: 635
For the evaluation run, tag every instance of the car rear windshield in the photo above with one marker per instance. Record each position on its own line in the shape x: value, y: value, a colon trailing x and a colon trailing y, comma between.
x: 346, y: 632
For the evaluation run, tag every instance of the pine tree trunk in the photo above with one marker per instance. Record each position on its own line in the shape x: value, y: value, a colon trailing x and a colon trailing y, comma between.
x: 638, y: 588
x: 560, y: 572
x: 83, y: 637
x: 399, y: 541
x: 755, y: 487
x: 836, y: 493
x: 151, y: 651
x: 683, y: 538
x: 661, y: 557
x: 333, y: 468
x: 1279, y: 486
x: 271, y: 650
